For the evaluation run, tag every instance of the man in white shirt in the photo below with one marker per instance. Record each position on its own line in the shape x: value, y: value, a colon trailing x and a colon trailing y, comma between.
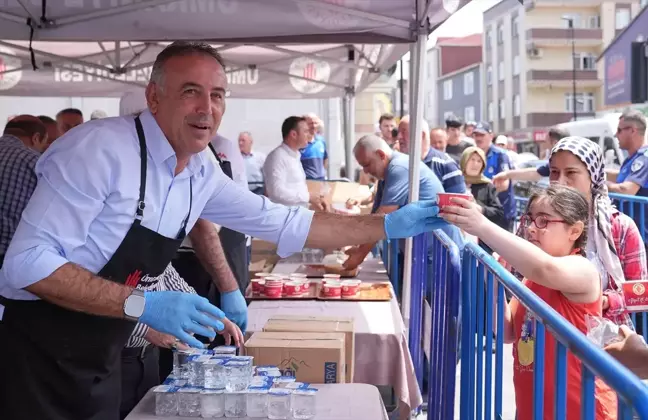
x: 253, y: 162
x: 285, y: 180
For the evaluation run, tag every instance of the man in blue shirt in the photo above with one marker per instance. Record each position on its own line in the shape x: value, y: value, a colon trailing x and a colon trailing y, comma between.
x: 633, y: 175
x: 497, y: 161
x: 114, y: 200
x: 314, y: 157
x: 443, y: 166
x: 376, y: 158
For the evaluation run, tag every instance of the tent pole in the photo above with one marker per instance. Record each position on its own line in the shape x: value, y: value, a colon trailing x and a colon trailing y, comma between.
x: 349, y: 135
x: 417, y: 86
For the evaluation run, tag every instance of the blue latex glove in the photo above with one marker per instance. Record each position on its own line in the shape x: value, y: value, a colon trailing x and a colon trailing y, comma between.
x: 235, y: 308
x: 182, y: 314
x: 413, y: 219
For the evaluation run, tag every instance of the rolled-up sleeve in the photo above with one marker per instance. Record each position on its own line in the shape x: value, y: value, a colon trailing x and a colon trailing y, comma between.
x: 239, y: 209
x: 73, y: 181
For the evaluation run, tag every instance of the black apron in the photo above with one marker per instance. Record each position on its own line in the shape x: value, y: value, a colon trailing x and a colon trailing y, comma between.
x: 191, y: 270
x: 233, y: 242
x: 58, y: 364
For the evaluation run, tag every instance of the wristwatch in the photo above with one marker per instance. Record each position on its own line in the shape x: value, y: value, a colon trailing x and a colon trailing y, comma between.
x: 134, y: 305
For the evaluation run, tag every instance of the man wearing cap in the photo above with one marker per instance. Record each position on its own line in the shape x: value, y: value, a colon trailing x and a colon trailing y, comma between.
x: 456, y: 141
x: 507, y: 144
x: 114, y: 201
x: 497, y: 161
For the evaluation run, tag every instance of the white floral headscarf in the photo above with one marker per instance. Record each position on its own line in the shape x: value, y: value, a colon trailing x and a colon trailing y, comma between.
x: 602, y: 209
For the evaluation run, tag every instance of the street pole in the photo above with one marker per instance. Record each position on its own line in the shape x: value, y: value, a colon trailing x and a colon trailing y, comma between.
x: 573, y: 41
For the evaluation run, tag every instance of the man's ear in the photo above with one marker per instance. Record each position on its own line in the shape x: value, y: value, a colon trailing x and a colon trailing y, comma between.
x: 152, y: 99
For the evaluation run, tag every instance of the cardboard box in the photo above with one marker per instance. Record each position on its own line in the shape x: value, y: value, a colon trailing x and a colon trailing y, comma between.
x: 339, y: 192
x: 319, y: 324
x: 316, y: 358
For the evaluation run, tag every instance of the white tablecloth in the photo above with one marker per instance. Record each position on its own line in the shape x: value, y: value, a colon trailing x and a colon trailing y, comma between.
x: 381, y: 353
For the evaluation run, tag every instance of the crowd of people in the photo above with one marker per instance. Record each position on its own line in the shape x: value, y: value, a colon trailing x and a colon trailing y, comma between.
x: 123, y: 238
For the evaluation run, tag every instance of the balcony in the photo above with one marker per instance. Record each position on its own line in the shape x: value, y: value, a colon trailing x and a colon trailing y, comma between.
x: 562, y: 78
x: 562, y: 37
x: 534, y: 4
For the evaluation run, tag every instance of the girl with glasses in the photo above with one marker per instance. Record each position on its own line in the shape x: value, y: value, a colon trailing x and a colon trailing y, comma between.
x: 554, y: 267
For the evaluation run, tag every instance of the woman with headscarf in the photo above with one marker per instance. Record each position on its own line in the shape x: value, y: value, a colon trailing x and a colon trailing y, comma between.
x: 614, y: 243
x: 473, y: 163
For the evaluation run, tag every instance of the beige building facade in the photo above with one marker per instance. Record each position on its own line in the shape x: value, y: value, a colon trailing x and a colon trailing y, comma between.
x: 529, y: 64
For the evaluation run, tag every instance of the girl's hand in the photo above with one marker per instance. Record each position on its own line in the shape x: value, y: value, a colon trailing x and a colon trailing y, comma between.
x: 465, y: 214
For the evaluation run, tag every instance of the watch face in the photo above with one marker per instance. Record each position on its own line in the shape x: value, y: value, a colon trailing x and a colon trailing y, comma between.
x: 134, y: 306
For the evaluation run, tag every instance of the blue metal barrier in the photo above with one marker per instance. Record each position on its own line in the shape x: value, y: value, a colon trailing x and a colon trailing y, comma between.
x: 481, y: 274
x: 443, y: 297
x: 635, y: 207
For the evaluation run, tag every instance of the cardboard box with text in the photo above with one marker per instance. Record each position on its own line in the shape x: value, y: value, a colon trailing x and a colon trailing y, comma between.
x: 316, y: 358
x: 319, y: 324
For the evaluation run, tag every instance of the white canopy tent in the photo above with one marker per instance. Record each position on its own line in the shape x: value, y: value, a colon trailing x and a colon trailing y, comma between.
x: 63, y: 43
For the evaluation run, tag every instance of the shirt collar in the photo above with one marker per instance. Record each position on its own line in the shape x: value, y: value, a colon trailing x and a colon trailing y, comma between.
x: 291, y: 152
x: 160, y: 149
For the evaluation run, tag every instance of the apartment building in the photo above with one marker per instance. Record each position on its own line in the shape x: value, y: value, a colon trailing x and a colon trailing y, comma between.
x: 459, y: 78
x: 529, y: 65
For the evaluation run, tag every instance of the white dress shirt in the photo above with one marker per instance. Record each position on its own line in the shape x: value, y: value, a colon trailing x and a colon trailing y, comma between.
x: 285, y: 180
x: 226, y: 150
x: 87, y: 194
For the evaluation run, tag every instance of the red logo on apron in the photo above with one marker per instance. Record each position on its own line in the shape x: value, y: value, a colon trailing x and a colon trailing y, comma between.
x: 133, y: 278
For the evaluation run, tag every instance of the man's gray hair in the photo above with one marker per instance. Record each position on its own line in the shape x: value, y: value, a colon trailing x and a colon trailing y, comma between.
x: 637, y: 119
x: 372, y: 143
x: 181, y: 49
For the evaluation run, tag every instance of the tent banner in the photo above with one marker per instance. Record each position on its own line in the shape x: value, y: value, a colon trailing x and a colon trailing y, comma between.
x: 252, y: 71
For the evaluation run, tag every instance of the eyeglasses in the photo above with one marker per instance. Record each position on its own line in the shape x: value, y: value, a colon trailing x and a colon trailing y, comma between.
x: 541, y: 222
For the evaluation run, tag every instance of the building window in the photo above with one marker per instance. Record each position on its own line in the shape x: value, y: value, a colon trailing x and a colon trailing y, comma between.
x: 447, y: 115
x: 447, y: 89
x: 430, y: 99
x: 573, y: 16
x: 500, y: 71
x: 500, y: 33
x: 489, y: 75
x: 585, y: 61
x: 622, y: 18
x: 515, y: 26
x: 491, y: 117
x: 584, y: 102
x: 502, y: 109
x: 489, y: 39
x: 516, y: 65
x: 516, y: 106
x: 469, y: 113
x: 594, y: 22
x: 469, y: 83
